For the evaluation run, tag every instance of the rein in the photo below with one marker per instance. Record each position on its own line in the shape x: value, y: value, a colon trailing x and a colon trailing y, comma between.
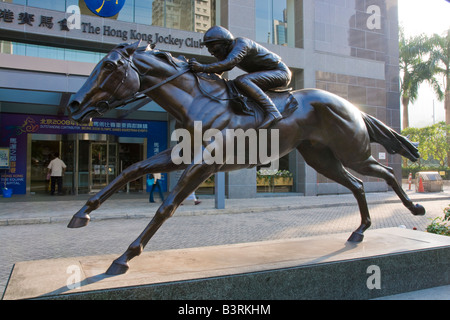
x: 214, y: 98
x: 141, y: 94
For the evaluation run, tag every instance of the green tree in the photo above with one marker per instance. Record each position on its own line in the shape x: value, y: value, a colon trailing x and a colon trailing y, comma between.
x: 437, y: 142
x: 433, y: 142
x: 416, y: 135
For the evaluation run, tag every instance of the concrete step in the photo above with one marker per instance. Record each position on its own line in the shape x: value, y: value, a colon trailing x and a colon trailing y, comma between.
x: 389, y: 261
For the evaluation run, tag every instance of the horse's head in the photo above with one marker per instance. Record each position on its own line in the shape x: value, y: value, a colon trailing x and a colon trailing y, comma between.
x: 113, y: 79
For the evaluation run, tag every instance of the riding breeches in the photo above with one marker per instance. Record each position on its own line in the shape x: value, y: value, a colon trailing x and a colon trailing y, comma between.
x: 254, y: 84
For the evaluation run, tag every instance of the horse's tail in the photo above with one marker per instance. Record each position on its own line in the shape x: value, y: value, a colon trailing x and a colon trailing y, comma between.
x: 391, y: 140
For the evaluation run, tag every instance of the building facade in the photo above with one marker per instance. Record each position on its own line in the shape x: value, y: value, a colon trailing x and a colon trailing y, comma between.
x: 48, y: 49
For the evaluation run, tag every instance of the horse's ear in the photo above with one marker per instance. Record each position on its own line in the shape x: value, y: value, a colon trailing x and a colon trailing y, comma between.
x: 150, y: 47
x: 130, y: 49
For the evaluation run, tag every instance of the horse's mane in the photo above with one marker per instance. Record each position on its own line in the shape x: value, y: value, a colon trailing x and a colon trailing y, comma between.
x: 179, y: 62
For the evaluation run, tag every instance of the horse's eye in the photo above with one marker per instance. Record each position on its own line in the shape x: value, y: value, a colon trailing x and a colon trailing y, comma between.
x: 109, y: 66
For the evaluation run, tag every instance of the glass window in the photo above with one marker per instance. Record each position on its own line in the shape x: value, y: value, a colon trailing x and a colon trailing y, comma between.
x: 127, y: 12
x: 143, y: 12
x: 263, y: 21
x: 58, y: 5
x: 82, y: 56
x: 48, y: 4
x: 71, y: 2
x: 274, y: 24
x: 31, y: 50
x: 24, y: 2
x: 190, y: 15
x: 44, y: 52
x: 176, y: 14
x: 18, y: 49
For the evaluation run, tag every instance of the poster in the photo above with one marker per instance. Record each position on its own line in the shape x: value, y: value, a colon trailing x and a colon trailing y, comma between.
x: 4, y: 158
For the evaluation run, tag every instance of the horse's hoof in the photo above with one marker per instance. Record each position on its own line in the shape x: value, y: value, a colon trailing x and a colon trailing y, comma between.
x: 79, y: 222
x: 418, y: 210
x: 356, y: 237
x: 117, y: 268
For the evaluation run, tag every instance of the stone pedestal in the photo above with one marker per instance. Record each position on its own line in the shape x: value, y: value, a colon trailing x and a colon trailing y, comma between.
x: 388, y: 261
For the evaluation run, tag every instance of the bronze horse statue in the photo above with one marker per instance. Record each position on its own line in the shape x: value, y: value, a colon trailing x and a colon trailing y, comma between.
x: 330, y: 133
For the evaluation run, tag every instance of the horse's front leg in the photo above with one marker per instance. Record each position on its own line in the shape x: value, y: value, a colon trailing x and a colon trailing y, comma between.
x: 158, y: 163
x: 188, y: 183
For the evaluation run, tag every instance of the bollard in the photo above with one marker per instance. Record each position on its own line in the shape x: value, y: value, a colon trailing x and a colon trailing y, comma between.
x: 409, y: 180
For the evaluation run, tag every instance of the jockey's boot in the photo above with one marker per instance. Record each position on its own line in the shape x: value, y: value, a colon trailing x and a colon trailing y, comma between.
x: 272, y: 115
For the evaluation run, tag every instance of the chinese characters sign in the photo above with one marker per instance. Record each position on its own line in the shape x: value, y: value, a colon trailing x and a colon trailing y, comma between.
x: 105, y: 126
x: 8, y: 16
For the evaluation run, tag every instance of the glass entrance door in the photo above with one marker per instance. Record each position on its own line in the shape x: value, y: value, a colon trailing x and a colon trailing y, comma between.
x: 41, y: 155
x: 103, y: 164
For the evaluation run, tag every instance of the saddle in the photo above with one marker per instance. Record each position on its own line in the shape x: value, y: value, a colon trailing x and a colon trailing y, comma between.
x: 283, y: 99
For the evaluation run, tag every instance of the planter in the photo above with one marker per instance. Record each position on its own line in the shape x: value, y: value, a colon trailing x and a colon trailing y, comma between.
x: 260, y: 182
x: 274, y: 184
x: 207, y: 184
x: 277, y: 181
x: 282, y: 181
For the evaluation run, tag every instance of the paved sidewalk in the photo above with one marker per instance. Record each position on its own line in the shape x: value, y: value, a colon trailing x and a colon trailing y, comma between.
x: 29, y: 210
x: 20, y: 209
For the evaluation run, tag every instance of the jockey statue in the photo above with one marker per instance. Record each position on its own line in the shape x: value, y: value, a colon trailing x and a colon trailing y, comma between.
x: 265, y: 70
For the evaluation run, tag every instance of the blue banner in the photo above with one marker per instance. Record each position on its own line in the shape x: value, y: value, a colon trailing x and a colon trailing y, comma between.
x: 14, y: 129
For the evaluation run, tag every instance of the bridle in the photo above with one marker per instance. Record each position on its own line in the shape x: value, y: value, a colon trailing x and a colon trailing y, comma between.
x: 108, y: 105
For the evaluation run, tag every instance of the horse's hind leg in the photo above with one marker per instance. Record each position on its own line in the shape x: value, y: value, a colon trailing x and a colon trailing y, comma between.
x: 158, y: 163
x: 373, y: 168
x: 323, y: 160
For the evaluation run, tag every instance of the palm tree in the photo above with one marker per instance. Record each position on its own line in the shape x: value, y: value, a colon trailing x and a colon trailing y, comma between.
x: 440, y: 59
x: 413, y: 68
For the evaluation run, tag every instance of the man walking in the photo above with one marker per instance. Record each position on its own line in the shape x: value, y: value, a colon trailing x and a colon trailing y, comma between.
x: 56, y: 169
